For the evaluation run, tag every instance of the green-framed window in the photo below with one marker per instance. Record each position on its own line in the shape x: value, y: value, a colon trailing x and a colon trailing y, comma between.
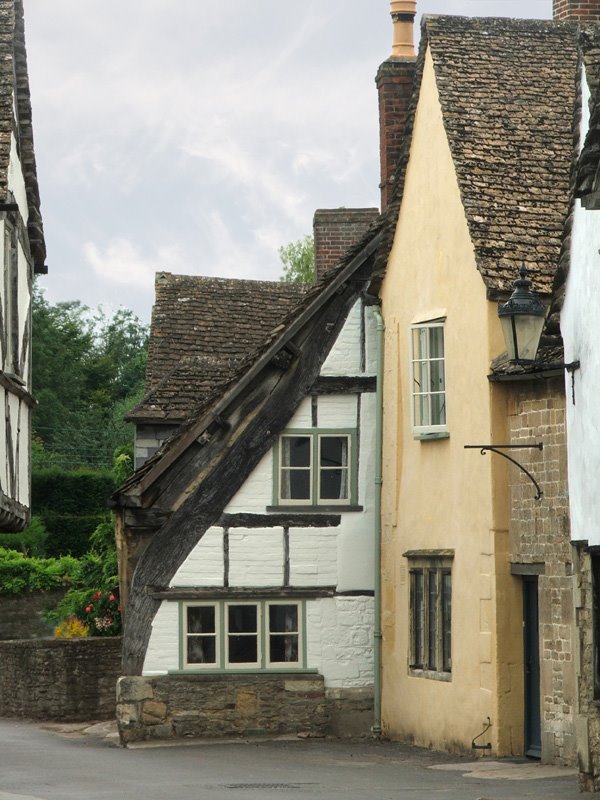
x: 428, y: 378
x: 243, y: 634
x: 316, y: 467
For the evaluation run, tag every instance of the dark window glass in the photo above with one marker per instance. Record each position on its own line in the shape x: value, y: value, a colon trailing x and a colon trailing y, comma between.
x: 417, y: 617
x: 201, y: 619
x: 242, y: 634
x: 295, y: 484
x: 432, y: 633
x: 334, y: 451
x: 283, y: 649
x: 201, y: 650
x: 242, y: 619
x: 295, y: 468
x: 283, y: 618
x: 296, y: 451
x: 446, y: 622
x: 333, y: 463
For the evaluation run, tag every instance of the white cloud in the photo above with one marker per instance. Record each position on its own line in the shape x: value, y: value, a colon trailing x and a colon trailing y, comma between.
x: 121, y: 262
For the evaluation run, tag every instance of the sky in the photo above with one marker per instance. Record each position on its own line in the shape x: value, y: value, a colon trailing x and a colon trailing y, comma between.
x: 199, y: 136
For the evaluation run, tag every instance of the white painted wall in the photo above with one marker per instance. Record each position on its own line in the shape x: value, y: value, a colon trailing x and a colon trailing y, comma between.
x: 337, y: 411
x: 344, y: 357
x: 313, y: 556
x: 303, y: 416
x: 580, y: 326
x: 16, y: 181
x: 257, y: 491
x: 355, y: 542
x: 24, y: 434
x: 256, y: 557
x: 162, y: 654
x: 205, y: 565
x: 339, y: 640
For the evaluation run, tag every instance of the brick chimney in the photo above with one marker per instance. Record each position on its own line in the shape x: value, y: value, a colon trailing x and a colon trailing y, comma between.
x: 585, y: 10
x: 336, y: 230
x: 394, y: 83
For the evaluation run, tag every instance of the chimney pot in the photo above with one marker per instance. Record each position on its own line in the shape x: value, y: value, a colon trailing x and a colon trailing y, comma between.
x: 403, y: 14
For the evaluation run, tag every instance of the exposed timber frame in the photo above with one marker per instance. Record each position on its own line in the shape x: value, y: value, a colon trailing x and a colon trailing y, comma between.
x: 198, y: 475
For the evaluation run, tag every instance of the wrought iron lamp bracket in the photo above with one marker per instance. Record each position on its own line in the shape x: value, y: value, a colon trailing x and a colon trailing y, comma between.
x: 498, y: 448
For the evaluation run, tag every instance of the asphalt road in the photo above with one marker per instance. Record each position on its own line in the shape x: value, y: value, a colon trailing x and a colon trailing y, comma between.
x: 40, y: 764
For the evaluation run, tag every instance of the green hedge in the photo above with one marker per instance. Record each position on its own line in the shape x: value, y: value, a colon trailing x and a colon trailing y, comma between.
x: 19, y: 573
x: 80, y: 491
x: 71, y: 504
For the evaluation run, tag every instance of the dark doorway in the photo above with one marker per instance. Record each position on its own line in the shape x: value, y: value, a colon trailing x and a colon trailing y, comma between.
x: 531, y: 645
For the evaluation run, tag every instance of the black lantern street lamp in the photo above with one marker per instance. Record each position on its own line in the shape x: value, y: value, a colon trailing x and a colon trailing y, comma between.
x: 522, y: 319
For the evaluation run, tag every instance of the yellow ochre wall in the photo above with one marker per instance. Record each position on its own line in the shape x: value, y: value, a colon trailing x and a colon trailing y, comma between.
x: 436, y: 494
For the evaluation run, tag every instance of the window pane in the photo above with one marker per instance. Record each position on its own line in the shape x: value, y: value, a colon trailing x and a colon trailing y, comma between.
x: 446, y: 622
x: 201, y: 650
x: 295, y: 484
x: 419, y: 343
x: 432, y: 620
x: 201, y: 619
x: 283, y: 618
x: 334, y: 451
x: 436, y: 342
x: 420, y: 376
x: 421, y: 409
x: 436, y: 376
x: 295, y: 451
x: 438, y: 409
x: 242, y: 619
x: 333, y: 484
x: 283, y: 649
x: 243, y: 649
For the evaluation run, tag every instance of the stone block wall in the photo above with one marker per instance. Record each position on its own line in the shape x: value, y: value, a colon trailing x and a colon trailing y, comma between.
x: 540, y: 535
x: 588, y: 711
x: 211, y: 706
x: 59, y: 679
x: 21, y: 615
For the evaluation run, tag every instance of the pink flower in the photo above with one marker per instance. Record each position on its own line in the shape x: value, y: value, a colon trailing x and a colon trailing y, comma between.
x: 112, y: 598
x: 97, y: 595
x: 88, y: 609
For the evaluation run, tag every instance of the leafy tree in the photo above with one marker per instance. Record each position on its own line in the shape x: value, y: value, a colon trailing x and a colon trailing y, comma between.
x: 298, y: 260
x: 88, y: 370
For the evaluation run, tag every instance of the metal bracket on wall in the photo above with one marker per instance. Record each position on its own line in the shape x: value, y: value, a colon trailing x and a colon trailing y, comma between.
x: 498, y: 448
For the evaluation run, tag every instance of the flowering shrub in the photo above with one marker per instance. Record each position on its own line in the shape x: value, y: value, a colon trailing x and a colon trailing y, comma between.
x: 102, y: 614
x: 71, y: 628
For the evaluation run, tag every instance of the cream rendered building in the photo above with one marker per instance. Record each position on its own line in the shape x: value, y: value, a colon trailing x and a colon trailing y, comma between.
x: 482, y: 187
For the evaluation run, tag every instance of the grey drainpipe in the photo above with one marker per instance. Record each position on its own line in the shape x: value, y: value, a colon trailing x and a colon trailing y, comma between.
x: 377, y: 635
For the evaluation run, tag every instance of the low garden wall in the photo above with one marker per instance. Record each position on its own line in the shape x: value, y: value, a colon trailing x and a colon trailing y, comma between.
x: 21, y: 615
x: 59, y: 679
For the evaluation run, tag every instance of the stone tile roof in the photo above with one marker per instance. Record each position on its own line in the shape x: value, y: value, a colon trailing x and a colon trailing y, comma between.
x: 589, y: 162
x: 508, y: 91
x: 202, y: 329
x: 13, y: 64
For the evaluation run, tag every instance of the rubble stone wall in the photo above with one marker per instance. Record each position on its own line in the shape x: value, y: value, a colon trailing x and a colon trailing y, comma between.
x: 212, y: 706
x: 59, y: 679
x: 540, y: 535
